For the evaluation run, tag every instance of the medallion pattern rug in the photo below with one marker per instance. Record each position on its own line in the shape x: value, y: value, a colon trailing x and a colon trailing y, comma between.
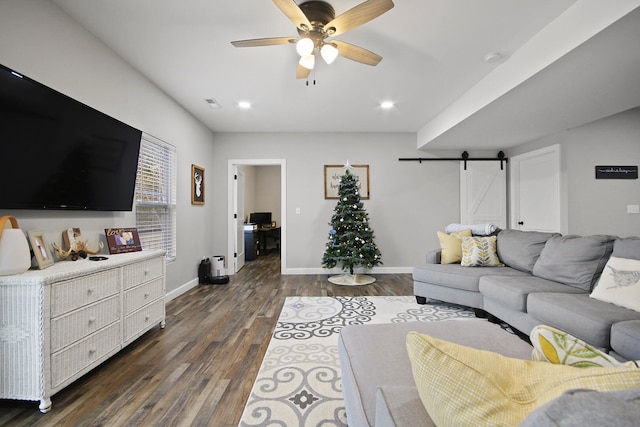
x: 298, y: 383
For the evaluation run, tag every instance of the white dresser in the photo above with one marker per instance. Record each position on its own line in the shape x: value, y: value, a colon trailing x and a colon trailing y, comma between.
x: 59, y: 323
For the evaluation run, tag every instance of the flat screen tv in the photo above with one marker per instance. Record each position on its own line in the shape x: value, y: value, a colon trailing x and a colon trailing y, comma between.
x: 260, y: 218
x: 58, y: 153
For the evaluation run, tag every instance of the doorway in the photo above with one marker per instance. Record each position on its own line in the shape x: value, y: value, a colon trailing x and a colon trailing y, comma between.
x: 236, y: 219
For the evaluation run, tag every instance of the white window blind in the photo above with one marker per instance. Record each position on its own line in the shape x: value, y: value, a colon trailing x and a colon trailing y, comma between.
x: 156, y: 195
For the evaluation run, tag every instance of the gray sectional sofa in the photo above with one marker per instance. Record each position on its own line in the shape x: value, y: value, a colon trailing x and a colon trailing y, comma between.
x: 546, y: 279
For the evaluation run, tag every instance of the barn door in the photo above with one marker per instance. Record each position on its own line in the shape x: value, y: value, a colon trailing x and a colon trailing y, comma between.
x: 483, y: 194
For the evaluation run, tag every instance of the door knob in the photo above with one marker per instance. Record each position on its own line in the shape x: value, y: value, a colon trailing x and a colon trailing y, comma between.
x: 520, y: 222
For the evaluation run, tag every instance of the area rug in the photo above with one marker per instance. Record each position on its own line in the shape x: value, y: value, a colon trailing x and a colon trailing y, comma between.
x: 298, y: 383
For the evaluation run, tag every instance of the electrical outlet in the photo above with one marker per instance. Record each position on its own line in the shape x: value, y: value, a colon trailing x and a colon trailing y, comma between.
x: 297, y: 211
x: 633, y: 209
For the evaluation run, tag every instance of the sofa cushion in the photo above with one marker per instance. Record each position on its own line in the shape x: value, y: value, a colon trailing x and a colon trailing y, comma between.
x: 480, y: 252
x: 521, y: 249
x: 451, y: 246
x: 579, y: 408
x: 458, y: 277
x: 585, y: 317
x: 365, y: 367
x: 462, y: 386
x: 628, y: 247
x: 513, y: 292
x: 555, y: 346
x: 625, y: 339
x: 619, y: 283
x: 574, y: 260
x: 400, y: 406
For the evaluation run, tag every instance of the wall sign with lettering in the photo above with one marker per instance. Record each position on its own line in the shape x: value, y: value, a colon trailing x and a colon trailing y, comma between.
x: 617, y: 172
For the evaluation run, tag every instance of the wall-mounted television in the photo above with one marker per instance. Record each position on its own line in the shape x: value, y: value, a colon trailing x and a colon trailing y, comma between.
x: 58, y: 153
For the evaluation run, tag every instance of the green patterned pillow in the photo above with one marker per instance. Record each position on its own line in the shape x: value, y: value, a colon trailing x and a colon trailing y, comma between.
x: 480, y: 252
x: 560, y: 348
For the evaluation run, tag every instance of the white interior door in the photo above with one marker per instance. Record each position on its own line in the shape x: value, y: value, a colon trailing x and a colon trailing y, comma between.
x: 483, y: 194
x: 535, y: 190
x: 238, y: 208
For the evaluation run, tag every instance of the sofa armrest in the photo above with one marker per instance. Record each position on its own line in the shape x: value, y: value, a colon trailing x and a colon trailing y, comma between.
x: 433, y: 257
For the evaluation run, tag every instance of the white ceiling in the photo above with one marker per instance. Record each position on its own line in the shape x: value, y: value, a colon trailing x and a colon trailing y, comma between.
x: 433, y: 54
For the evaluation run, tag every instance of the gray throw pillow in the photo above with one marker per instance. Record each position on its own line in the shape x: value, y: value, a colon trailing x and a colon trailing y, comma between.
x: 576, y: 261
x: 580, y: 408
x: 629, y: 248
x: 521, y: 249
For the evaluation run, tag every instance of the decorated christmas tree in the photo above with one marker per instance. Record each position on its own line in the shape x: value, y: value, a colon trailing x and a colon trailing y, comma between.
x: 351, y: 240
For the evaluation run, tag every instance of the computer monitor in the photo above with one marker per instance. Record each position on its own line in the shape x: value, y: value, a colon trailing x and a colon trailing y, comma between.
x: 260, y: 218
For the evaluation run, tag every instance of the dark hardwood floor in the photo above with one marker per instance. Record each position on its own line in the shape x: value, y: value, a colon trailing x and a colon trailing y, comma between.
x: 199, y: 370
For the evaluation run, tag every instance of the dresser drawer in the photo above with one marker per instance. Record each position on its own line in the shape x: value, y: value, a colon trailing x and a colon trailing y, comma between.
x: 72, y: 294
x: 140, y: 272
x: 135, y: 298
x: 143, y: 319
x: 78, y: 324
x: 70, y: 361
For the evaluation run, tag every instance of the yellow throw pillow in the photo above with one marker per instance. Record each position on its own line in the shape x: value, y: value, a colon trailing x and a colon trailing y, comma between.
x: 451, y: 246
x: 555, y: 346
x: 462, y: 386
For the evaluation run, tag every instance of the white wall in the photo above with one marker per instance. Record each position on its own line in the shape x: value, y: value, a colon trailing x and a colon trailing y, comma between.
x: 598, y: 206
x: 409, y: 201
x: 41, y: 41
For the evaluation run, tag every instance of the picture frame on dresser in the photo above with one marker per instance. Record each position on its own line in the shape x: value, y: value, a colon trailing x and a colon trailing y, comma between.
x: 40, y: 249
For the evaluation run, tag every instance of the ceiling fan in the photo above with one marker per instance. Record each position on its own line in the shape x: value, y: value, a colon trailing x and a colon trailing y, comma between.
x: 316, y: 21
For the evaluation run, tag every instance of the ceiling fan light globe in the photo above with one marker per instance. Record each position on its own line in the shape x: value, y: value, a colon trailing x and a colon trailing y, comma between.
x: 304, y: 46
x: 329, y: 53
x: 308, y: 61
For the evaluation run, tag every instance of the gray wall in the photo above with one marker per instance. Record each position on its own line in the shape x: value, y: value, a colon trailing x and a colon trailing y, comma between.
x: 409, y: 201
x: 597, y: 206
x: 42, y: 42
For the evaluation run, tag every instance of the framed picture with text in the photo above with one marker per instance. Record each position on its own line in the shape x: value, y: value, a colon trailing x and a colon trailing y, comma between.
x: 333, y: 173
x: 122, y: 240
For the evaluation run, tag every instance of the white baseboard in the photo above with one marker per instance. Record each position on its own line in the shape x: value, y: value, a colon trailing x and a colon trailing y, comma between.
x: 180, y: 290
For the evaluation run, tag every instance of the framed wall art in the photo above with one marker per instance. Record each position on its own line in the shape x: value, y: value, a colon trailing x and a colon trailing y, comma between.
x: 197, y: 185
x: 122, y: 240
x: 333, y: 173
x: 40, y: 249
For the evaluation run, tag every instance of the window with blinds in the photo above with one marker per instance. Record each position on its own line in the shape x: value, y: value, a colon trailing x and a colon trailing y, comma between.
x: 155, y: 196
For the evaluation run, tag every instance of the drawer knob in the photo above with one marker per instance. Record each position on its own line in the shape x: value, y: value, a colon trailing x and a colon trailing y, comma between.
x: 146, y: 295
x: 92, y: 351
x: 146, y: 318
x: 92, y: 320
x: 146, y: 271
x: 90, y: 291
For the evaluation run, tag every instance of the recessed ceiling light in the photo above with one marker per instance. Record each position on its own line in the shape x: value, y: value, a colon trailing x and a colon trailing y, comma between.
x: 244, y: 105
x: 386, y: 104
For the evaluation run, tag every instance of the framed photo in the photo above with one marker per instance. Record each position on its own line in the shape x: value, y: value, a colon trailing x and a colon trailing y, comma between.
x: 197, y: 185
x: 333, y: 173
x: 122, y: 240
x: 40, y: 249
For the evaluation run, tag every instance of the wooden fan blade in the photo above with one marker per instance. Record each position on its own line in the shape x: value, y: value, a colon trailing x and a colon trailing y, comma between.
x: 264, y: 42
x: 358, y: 15
x: 302, y: 72
x: 294, y: 13
x: 357, y: 53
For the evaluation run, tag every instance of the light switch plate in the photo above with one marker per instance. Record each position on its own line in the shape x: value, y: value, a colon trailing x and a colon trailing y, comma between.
x: 633, y: 209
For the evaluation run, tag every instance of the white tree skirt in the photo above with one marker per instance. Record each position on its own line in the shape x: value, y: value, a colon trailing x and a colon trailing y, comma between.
x: 352, y: 279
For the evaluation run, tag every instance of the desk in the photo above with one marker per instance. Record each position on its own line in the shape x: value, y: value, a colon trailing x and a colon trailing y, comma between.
x: 266, y: 232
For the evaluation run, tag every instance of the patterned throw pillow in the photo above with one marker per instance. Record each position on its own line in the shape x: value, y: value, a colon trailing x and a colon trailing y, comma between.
x: 619, y: 283
x: 555, y: 346
x: 490, y: 389
x: 480, y: 252
x: 451, y: 246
